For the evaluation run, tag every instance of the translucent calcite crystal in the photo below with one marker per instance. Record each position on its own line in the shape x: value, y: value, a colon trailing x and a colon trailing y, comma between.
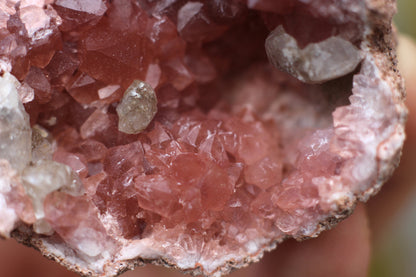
x: 214, y: 156
x: 318, y: 62
x: 15, y: 132
x: 14, y: 202
x: 137, y: 108
x: 43, y: 178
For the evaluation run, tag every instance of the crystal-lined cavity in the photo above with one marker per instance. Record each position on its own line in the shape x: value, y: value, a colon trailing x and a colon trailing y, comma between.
x: 158, y: 130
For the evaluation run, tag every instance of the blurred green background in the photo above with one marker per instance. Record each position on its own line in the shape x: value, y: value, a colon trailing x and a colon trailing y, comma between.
x: 406, y: 17
x: 394, y: 249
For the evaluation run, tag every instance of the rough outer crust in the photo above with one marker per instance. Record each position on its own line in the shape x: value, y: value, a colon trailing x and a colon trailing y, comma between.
x: 380, y: 41
x: 382, y: 44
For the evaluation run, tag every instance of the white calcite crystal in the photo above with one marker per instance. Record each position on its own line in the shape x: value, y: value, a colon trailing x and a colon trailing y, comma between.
x: 8, y: 215
x: 42, y: 178
x: 15, y: 205
x: 137, y: 108
x: 15, y: 132
x: 317, y: 62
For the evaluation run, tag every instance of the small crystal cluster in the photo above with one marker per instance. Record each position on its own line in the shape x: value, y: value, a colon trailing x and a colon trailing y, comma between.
x: 39, y: 182
x: 15, y: 131
x: 158, y: 129
x: 316, y: 63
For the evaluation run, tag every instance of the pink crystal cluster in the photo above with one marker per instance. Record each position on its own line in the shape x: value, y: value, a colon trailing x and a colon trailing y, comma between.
x: 189, y: 164
x: 218, y: 170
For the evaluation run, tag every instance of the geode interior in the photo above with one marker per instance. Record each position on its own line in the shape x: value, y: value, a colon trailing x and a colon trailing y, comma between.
x: 159, y: 131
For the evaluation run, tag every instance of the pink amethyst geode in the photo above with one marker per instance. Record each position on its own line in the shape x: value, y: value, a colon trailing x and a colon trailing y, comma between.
x: 192, y: 134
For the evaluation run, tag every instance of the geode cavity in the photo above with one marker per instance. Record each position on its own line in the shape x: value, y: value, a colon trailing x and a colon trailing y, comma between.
x: 164, y: 131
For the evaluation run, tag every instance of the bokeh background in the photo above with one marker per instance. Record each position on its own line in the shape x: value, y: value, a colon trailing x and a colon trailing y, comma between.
x: 393, y: 222
x: 384, y: 247
x: 406, y: 17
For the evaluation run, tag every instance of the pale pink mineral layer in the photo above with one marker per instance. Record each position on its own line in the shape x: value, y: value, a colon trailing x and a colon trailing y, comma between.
x: 161, y: 130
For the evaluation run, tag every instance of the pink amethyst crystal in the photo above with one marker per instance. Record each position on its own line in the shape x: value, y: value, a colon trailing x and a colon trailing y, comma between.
x: 159, y: 131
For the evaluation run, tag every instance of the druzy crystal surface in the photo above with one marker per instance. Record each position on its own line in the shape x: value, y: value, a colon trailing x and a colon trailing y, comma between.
x: 160, y: 131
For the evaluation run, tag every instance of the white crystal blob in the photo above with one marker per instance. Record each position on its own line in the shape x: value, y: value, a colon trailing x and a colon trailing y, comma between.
x: 44, y: 177
x: 317, y: 62
x: 15, y: 132
x: 137, y: 108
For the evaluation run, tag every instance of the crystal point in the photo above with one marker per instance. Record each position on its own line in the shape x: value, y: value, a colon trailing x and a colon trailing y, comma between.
x: 137, y: 108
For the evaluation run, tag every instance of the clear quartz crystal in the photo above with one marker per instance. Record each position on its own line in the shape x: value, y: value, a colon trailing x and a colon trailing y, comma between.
x: 137, y: 108
x: 15, y: 132
x: 317, y: 62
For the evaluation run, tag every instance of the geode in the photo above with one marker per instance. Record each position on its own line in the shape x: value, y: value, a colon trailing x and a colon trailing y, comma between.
x: 192, y: 134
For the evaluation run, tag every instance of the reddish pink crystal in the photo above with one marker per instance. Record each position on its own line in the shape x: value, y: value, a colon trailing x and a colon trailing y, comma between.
x: 76, y: 162
x: 15, y: 197
x: 38, y: 81
x: 79, y: 13
x: 76, y: 220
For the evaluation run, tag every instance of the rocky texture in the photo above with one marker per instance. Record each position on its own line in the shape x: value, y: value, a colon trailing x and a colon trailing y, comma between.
x: 221, y: 157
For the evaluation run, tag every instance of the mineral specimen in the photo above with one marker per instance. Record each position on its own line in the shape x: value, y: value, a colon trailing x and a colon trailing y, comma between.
x: 41, y: 179
x: 215, y: 156
x: 15, y: 133
x: 137, y: 108
x: 318, y: 62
